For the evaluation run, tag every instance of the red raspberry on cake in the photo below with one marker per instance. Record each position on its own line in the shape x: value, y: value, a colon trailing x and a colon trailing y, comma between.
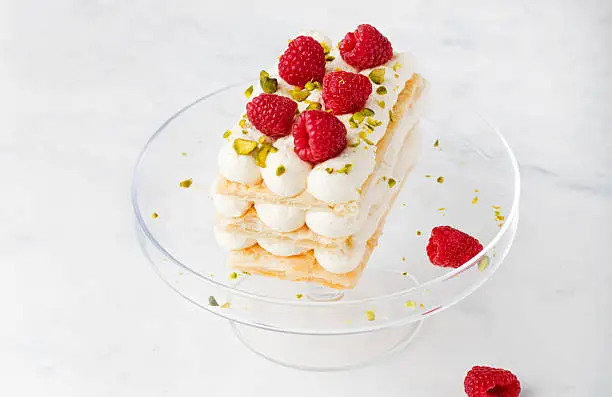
x: 272, y: 114
x: 449, y: 247
x: 365, y: 48
x: 488, y: 382
x: 345, y: 92
x: 302, y: 61
x: 318, y: 136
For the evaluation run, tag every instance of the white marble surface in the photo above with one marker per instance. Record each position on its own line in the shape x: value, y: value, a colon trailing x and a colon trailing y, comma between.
x: 84, y: 83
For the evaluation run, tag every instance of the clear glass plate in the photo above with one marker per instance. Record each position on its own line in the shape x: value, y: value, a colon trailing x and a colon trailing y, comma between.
x: 311, y: 327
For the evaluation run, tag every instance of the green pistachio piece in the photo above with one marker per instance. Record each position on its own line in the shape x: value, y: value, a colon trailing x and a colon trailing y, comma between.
x: 369, y: 127
x: 244, y: 146
x: 346, y: 169
x: 329, y: 58
x: 381, y: 104
x: 358, y: 117
x: 186, y: 183
x: 396, y: 66
x: 363, y: 135
x: 314, y: 106
x: 352, y: 123
x: 242, y: 123
x: 273, y: 149
x: 248, y: 92
x: 326, y: 48
x: 280, y: 170
x: 299, y: 95
x: 233, y: 275
x: 262, y: 155
x: 411, y: 304
x: 382, y: 90
x: 329, y: 170
x: 268, y: 85
x: 373, y: 122
x: 370, y: 315
x: 377, y: 76
x: 227, y: 133
x: 245, y: 132
x: 390, y: 115
x: 367, y: 112
x: 313, y: 85
x: 484, y: 263
x: 353, y: 144
x: 212, y: 301
x: 391, y: 182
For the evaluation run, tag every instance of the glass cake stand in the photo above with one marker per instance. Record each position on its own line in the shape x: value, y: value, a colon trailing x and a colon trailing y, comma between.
x: 466, y: 177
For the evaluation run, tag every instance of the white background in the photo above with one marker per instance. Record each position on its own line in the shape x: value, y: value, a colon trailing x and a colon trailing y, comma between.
x: 83, y: 84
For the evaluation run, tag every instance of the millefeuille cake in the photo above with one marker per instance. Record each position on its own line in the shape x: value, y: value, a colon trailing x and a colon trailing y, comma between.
x: 310, y: 171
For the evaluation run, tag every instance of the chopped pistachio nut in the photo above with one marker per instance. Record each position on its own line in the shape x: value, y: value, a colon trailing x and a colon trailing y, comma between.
x: 422, y: 306
x: 419, y: 233
x: 370, y: 315
x: 329, y: 170
x: 280, y: 170
x: 233, y: 275
x: 299, y: 95
x: 396, y: 75
x: 363, y: 135
x: 242, y: 123
x: 186, y: 183
x: 359, y: 192
x: 268, y: 85
x: 484, y: 263
x: 373, y: 122
x: 411, y: 304
x: 299, y: 296
x: 475, y: 190
x: 248, y: 92
x: 354, y: 144
x: 244, y: 146
x: 262, y: 139
x: 226, y: 305
x: 396, y: 66
x: 369, y: 127
x: 313, y: 85
x: 475, y: 200
x: 212, y: 301
x: 329, y: 58
x: 326, y: 48
x: 358, y: 117
x: 314, y: 106
x: 391, y: 182
x: 367, y: 112
x: 183, y: 154
x: 381, y: 104
x: 403, y: 259
x: 377, y: 76
x: 390, y: 115
x: 404, y: 273
x: 437, y: 143
x: 262, y: 154
x: 346, y: 169
x: 227, y: 133
x: 382, y: 90
x: 155, y: 215
x: 352, y: 123
x: 440, y: 179
x: 273, y: 149
x: 245, y: 132
x: 427, y: 176
x: 497, y: 207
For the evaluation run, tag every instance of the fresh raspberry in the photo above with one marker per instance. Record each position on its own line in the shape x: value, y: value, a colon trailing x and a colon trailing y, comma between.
x: 491, y: 382
x: 302, y: 61
x: 365, y: 48
x: 345, y: 92
x: 318, y: 136
x: 272, y: 114
x: 449, y: 247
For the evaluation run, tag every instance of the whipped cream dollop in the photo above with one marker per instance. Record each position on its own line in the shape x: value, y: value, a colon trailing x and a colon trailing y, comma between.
x: 232, y: 241
x: 285, y: 173
x: 339, y: 261
x: 281, y: 248
x: 328, y: 224
x: 230, y: 207
x: 237, y: 168
x: 281, y: 218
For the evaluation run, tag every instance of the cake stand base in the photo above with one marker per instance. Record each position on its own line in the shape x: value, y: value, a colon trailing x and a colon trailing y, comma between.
x: 325, y: 352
